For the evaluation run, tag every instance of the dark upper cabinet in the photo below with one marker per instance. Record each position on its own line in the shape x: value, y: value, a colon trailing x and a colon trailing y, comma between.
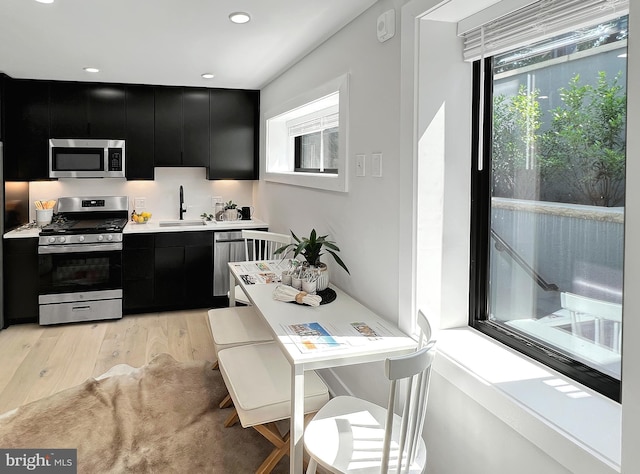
x: 234, y: 134
x: 26, y: 147
x: 168, y: 126
x: 3, y: 79
x: 163, y: 126
x: 139, y: 134
x: 181, y: 126
x: 195, y: 108
x: 107, y: 112
x: 69, y: 110
x: 87, y: 110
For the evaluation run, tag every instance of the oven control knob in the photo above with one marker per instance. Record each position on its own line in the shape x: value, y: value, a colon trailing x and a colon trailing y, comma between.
x: 62, y: 239
x: 109, y: 237
x: 52, y: 240
x: 81, y: 238
x: 100, y: 237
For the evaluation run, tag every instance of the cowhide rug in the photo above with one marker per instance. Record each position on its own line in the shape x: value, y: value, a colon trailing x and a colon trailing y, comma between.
x: 162, y: 417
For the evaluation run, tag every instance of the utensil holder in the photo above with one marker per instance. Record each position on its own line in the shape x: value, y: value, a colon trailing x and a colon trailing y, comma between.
x: 43, y: 216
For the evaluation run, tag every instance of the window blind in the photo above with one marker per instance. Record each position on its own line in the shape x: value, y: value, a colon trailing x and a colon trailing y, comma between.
x: 538, y: 21
x: 314, y: 125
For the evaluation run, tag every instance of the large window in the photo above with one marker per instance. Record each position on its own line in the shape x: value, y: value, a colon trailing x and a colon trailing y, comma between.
x: 548, y: 200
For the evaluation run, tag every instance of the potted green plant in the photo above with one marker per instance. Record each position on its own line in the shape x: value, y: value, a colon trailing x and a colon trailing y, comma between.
x: 311, y: 248
x: 231, y: 212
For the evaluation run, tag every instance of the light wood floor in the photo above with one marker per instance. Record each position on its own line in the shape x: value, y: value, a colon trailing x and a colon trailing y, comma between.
x: 37, y: 361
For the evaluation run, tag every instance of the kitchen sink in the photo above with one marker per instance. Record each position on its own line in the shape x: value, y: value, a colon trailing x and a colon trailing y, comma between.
x: 181, y: 223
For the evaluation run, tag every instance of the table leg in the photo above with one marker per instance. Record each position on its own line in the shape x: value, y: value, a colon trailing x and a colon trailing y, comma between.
x: 232, y: 289
x: 297, y: 419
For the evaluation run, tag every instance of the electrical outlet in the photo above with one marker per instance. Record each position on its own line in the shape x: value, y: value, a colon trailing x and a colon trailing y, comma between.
x: 360, y: 163
x: 139, y: 203
x: 215, y: 199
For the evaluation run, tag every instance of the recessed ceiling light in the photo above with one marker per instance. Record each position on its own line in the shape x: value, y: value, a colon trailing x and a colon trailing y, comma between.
x: 207, y: 75
x: 239, y: 17
x: 91, y: 69
x: 44, y: 1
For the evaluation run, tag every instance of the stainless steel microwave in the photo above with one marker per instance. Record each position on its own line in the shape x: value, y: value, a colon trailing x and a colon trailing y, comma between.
x: 86, y: 158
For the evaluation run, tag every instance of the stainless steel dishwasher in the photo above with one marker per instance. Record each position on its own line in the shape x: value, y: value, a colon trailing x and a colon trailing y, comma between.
x: 229, y: 247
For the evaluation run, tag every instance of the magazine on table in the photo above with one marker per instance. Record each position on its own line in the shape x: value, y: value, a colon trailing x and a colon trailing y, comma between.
x: 261, y: 272
x: 311, y: 337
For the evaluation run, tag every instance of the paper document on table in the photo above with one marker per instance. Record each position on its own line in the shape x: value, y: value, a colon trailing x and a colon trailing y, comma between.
x: 253, y: 273
x: 311, y: 337
x: 260, y: 278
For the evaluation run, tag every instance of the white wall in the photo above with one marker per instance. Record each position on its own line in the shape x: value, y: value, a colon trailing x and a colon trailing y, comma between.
x: 363, y: 221
x: 161, y: 194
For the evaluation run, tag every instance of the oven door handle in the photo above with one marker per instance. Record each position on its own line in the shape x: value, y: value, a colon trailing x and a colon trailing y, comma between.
x: 71, y: 248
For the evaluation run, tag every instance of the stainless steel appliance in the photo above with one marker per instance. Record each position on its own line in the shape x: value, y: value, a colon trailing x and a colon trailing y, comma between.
x: 80, y: 260
x: 229, y: 247
x: 82, y: 158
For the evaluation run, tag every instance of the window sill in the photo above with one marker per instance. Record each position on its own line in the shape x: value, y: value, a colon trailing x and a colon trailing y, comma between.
x: 577, y: 427
x: 329, y: 182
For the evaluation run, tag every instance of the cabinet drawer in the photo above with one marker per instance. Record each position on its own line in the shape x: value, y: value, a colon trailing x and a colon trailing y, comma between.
x: 183, y: 239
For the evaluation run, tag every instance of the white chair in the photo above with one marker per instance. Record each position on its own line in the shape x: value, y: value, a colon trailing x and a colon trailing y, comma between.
x: 582, y: 308
x: 242, y: 325
x: 259, y: 245
x: 258, y: 378
x: 351, y: 435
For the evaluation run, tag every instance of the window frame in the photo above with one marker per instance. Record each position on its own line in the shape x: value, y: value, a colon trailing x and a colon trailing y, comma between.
x: 480, y: 250
x: 279, y: 164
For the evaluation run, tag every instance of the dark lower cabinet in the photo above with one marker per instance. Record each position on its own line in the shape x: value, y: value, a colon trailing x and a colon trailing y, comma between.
x: 21, y: 280
x: 138, y: 272
x: 168, y: 271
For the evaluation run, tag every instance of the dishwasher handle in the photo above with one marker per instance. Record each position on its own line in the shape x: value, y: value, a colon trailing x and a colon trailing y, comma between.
x: 228, y: 237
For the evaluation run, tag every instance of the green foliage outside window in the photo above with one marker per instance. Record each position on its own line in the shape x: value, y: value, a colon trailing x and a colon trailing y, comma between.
x: 582, y: 152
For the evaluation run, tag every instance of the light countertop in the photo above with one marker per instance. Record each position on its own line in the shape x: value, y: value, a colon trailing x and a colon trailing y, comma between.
x: 152, y: 226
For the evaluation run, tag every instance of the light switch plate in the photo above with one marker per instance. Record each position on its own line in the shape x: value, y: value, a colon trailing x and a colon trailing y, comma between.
x: 139, y: 203
x: 360, y: 165
x: 376, y: 165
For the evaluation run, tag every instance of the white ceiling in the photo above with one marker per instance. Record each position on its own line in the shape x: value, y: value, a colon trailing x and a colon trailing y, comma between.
x: 169, y: 42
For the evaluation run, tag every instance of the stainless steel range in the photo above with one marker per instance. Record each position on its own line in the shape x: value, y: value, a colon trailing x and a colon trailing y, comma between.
x: 80, y: 260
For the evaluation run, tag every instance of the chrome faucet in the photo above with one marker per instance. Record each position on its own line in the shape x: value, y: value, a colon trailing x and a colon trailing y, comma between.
x: 182, y: 209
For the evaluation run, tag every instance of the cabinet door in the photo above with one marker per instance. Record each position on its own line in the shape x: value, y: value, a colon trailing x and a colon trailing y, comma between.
x: 169, y: 280
x: 3, y: 80
x: 69, y: 110
x: 195, y: 107
x: 234, y: 134
x: 139, y: 132
x: 168, y: 126
x: 138, y: 272
x: 106, y: 111
x: 26, y: 148
x: 21, y: 280
x: 198, y: 275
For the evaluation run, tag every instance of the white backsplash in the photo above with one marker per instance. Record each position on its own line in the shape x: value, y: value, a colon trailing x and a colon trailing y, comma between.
x: 161, y: 196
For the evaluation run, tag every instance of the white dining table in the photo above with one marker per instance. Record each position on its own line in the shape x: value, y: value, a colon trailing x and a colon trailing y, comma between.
x: 341, y: 318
